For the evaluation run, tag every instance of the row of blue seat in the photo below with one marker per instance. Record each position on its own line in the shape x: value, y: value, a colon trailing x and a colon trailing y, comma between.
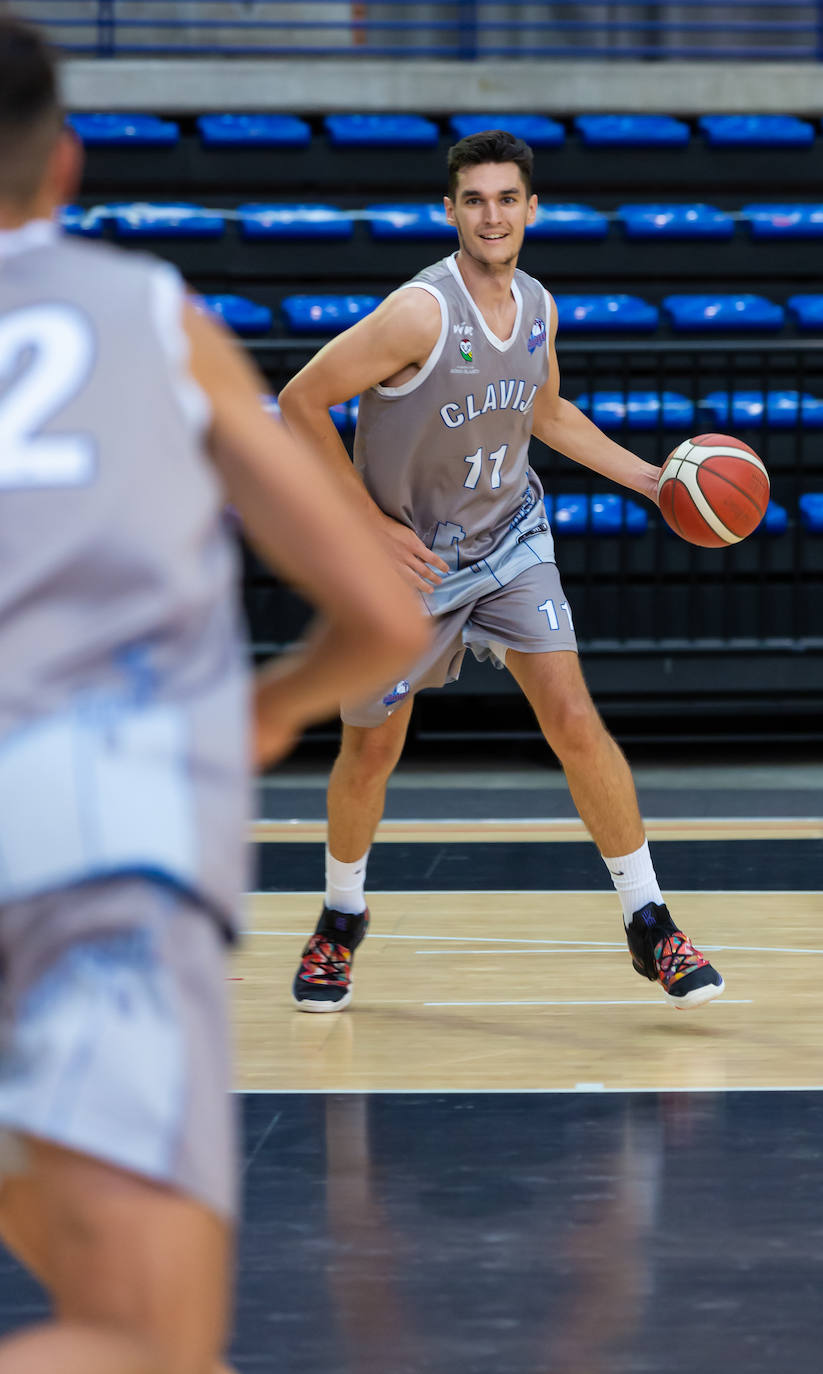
x: 415, y: 131
x: 645, y: 411
x: 181, y: 219
x: 699, y: 312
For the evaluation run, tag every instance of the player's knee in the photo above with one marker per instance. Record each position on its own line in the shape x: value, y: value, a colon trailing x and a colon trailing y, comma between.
x: 371, y: 754
x: 574, y: 727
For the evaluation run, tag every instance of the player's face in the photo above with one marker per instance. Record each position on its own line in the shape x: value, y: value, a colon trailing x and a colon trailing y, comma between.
x: 490, y: 211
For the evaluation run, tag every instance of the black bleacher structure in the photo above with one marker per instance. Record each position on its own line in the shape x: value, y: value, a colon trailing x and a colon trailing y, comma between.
x: 677, y: 640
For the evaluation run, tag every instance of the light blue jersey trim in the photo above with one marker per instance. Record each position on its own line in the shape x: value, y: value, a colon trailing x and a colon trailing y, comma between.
x: 529, y: 542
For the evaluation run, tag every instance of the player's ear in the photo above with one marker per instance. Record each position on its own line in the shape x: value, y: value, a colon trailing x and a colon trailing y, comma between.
x: 532, y: 210
x: 448, y: 206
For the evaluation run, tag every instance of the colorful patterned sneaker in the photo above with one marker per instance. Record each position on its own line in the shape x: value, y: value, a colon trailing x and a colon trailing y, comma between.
x: 664, y: 954
x: 323, y: 981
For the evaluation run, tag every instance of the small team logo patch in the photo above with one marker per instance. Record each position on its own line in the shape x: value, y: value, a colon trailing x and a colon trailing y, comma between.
x: 397, y: 693
x: 466, y: 350
x: 537, y: 337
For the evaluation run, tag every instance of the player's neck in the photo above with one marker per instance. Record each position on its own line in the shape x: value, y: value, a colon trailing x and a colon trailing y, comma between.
x: 489, y: 285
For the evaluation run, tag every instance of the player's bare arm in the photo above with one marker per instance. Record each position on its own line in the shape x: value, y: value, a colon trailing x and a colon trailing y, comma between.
x: 299, y: 520
x: 566, y: 429
x: 388, y: 347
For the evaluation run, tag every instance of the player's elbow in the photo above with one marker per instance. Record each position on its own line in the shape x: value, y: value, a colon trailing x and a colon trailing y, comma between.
x: 294, y: 400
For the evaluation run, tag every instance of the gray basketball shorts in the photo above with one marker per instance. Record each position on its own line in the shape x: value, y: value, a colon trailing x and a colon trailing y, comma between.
x: 529, y: 614
x: 114, y: 1035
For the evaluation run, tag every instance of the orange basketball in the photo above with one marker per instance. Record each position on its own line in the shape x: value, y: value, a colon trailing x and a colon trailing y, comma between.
x: 713, y: 490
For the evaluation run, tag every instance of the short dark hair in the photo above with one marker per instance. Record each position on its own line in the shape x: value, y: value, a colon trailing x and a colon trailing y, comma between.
x: 30, y: 115
x: 492, y: 145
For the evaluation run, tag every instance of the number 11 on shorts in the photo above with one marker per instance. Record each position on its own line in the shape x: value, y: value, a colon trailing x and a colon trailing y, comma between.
x: 551, y: 614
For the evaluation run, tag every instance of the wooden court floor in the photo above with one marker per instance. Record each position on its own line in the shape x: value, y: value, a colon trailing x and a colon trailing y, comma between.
x: 482, y: 991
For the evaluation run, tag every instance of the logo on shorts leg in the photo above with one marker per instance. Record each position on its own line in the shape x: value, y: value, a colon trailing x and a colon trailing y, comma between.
x: 397, y: 693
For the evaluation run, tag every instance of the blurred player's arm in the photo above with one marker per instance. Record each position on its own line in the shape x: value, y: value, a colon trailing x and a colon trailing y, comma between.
x: 567, y: 430
x: 395, y: 339
x: 299, y: 521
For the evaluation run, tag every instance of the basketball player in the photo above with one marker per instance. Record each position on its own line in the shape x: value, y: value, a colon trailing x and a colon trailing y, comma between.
x: 126, y: 420
x: 457, y: 369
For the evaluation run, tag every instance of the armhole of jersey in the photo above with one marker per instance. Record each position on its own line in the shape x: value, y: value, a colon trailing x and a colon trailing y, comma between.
x: 166, y: 304
x: 391, y: 392
x: 547, y: 298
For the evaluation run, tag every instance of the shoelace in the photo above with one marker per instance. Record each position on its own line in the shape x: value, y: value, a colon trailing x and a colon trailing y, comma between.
x: 325, y: 962
x: 676, y: 956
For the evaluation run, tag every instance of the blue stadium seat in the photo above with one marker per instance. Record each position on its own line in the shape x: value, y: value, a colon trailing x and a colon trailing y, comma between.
x: 341, y: 415
x: 632, y: 131
x: 241, y: 315
x: 124, y: 130
x: 616, y: 313
x: 641, y: 410
x: 537, y: 130
x: 724, y: 312
x: 756, y: 131
x: 294, y: 222
x: 410, y: 221
x: 568, y: 222
x: 675, y: 222
x: 607, y: 514
x: 326, y: 314
x: 784, y: 221
x: 807, y: 310
x: 253, y: 131
x: 140, y: 220
x: 811, y: 511
x: 781, y: 409
x: 74, y: 219
x: 775, y: 521
x: 381, y: 131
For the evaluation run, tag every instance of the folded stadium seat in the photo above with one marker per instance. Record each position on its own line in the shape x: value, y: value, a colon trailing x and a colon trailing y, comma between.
x: 775, y: 521
x: 381, y: 131
x: 641, y: 410
x: 807, y: 311
x: 756, y: 131
x: 241, y: 315
x: 784, y: 221
x: 811, y: 511
x: 616, y: 313
x: 632, y: 131
x: 409, y: 221
x: 568, y: 222
x: 606, y: 514
x: 73, y: 219
x: 781, y: 409
x: 294, y: 222
x: 253, y: 131
x: 141, y: 220
x: 723, y: 312
x: 326, y: 314
x: 537, y: 130
x: 675, y: 222
x: 124, y: 130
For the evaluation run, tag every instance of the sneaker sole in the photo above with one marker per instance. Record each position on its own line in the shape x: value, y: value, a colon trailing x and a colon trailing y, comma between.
x: 308, y: 1005
x: 697, y: 998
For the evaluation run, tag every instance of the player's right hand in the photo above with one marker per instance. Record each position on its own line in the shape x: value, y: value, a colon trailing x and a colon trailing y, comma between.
x: 419, y: 564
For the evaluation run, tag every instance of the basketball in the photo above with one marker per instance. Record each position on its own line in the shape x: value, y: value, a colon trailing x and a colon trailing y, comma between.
x: 713, y: 490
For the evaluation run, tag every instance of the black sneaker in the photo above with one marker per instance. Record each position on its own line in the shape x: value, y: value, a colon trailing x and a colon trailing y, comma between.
x: 323, y: 981
x: 666, y: 956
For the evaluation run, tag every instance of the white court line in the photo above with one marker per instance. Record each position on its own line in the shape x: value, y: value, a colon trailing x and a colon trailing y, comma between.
x: 450, y: 1091
x: 574, y: 946
x: 551, y: 892
x: 634, y: 1002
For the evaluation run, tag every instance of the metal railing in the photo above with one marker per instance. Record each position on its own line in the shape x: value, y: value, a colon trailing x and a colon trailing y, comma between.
x: 454, y: 29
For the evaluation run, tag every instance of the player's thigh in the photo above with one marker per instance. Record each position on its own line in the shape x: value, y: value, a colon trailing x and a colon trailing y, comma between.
x: 118, y: 1251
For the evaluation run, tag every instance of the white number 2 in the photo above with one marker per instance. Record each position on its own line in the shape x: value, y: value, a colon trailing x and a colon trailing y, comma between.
x: 476, y: 461
x: 46, y: 355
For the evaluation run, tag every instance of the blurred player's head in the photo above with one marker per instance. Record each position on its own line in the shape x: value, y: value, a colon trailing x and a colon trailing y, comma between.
x: 39, y: 162
x: 490, y: 198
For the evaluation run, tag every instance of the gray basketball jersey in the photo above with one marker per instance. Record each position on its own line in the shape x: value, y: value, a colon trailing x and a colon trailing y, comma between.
x: 447, y: 453
x: 123, y: 685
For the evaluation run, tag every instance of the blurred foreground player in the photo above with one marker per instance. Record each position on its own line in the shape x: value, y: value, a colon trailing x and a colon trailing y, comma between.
x: 126, y: 421
x: 457, y: 369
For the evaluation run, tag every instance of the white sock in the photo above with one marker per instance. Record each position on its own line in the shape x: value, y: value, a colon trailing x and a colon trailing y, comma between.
x: 635, y: 881
x: 345, y: 884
